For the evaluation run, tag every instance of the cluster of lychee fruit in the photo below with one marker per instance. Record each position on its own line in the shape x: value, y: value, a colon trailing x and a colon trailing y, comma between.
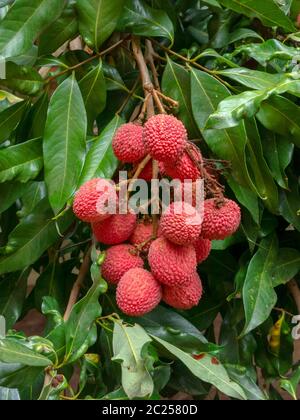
x: 147, y: 264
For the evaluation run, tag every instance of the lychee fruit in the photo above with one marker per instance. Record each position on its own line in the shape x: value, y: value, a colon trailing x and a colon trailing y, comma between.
x: 142, y: 234
x: 185, y: 168
x: 138, y: 292
x: 165, y: 137
x: 115, y: 230
x: 171, y: 264
x: 147, y: 172
x: 220, y: 220
x: 181, y: 223
x: 186, y: 296
x: 93, y: 200
x: 128, y: 143
x: 203, y: 249
x: 119, y: 259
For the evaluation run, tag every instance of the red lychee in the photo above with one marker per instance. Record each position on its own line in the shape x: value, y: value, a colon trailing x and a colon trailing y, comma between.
x: 142, y: 234
x: 220, y: 221
x: 171, y: 264
x: 181, y: 223
x: 203, y: 249
x: 138, y: 292
x: 93, y: 200
x: 165, y: 137
x: 115, y: 230
x: 185, y: 168
x: 128, y: 143
x: 186, y: 296
x: 119, y: 259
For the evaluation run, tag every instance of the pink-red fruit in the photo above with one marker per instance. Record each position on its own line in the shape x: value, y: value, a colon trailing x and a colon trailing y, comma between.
x: 115, y: 230
x: 120, y: 259
x: 220, y: 221
x: 171, y: 264
x: 165, y: 137
x: 181, y: 223
x: 92, y: 200
x: 186, y: 296
x: 138, y: 292
x: 203, y: 249
x: 142, y: 235
x: 128, y: 143
x: 185, y: 168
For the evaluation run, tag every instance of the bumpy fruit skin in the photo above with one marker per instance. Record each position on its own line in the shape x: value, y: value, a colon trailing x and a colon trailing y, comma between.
x: 115, y: 230
x: 91, y: 200
x: 138, y: 292
x: 181, y: 223
x: 165, y: 137
x: 171, y: 264
x: 203, y: 249
x: 141, y: 234
x: 220, y: 222
x: 147, y: 172
x: 120, y: 259
x: 128, y: 143
x: 185, y: 168
x: 186, y: 296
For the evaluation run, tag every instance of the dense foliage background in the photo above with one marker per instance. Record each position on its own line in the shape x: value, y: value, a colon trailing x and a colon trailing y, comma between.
x: 233, y: 66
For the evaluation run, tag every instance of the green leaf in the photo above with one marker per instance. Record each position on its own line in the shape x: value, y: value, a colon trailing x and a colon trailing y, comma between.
x: 13, y: 294
x: 12, y: 351
x: 206, y: 370
x: 267, y: 11
x: 140, y: 19
x: 240, y: 375
x: 10, y: 118
x: 12, y: 374
x: 101, y: 161
x: 291, y: 385
x: 128, y: 345
x: 50, y: 283
x: 21, y: 162
x: 24, y: 79
x: 262, y: 176
x: 258, y: 293
x: 290, y: 204
x: 228, y: 144
x: 38, y: 116
x: 62, y: 30
x: 278, y: 151
x: 81, y: 322
x: 176, y: 84
x: 246, y: 197
x: 34, y: 193
x: 93, y: 90
x: 287, y: 266
x: 32, y: 237
x: 282, y: 116
x: 7, y: 394
x: 243, y: 33
x: 10, y: 192
x: 64, y: 142
x: 252, y: 78
x: 23, y: 23
x: 97, y: 20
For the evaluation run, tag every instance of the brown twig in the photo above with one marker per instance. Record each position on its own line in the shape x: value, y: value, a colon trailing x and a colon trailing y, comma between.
x: 295, y: 292
x: 155, y: 218
x: 88, y: 60
x: 139, y: 170
x: 85, y: 266
x: 149, y: 57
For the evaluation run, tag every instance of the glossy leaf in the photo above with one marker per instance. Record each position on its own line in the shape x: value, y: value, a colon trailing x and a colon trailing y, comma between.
x: 10, y: 192
x: 93, y: 90
x: 290, y: 204
x: 176, y: 83
x: 34, y: 193
x: 64, y: 142
x: 12, y: 351
x: 267, y: 11
x: 254, y: 79
x: 259, y: 296
x: 98, y: 19
x: 207, y: 370
x: 21, y: 162
x: 128, y: 343
x: 23, y: 23
x: 101, y: 161
x: 24, y: 79
x: 139, y: 18
x: 13, y: 294
x: 287, y: 266
x: 12, y: 374
x: 10, y: 118
x: 31, y: 238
